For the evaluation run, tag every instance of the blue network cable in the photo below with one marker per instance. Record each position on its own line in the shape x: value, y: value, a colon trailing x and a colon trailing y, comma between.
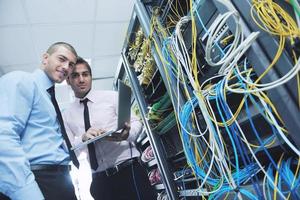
x: 205, y: 29
x: 191, y: 158
x: 169, y: 62
x: 184, y: 117
x: 220, y: 101
x: 291, y: 184
x: 255, y: 131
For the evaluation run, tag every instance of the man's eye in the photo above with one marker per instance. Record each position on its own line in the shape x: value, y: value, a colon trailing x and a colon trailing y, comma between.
x: 74, y: 75
x: 61, y: 59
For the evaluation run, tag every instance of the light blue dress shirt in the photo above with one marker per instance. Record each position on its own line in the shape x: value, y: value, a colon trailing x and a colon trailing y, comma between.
x: 29, y: 133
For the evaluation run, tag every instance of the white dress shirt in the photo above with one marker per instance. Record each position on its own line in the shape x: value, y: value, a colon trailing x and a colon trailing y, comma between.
x: 103, y: 115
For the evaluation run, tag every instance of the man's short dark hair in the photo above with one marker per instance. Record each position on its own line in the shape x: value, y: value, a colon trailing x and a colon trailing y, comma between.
x: 82, y: 61
x: 54, y: 47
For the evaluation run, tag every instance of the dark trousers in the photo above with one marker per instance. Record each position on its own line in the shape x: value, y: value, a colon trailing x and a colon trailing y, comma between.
x: 121, y: 186
x: 3, y: 197
x: 54, y: 184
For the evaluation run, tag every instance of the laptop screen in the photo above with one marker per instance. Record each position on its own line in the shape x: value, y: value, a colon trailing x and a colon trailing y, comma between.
x: 124, y: 104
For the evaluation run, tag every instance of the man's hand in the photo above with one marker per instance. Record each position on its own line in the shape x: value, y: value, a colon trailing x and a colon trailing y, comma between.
x: 117, y: 137
x: 91, y: 133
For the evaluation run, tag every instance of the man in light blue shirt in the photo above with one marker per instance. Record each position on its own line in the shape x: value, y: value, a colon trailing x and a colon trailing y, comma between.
x: 34, y: 153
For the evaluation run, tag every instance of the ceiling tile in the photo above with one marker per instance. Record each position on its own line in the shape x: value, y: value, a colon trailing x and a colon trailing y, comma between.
x: 58, y: 11
x: 105, y: 10
x: 109, y: 38
x: 11, y: 12
x: 16, y: 46
x: 105, y: 67
x: 79, y: 36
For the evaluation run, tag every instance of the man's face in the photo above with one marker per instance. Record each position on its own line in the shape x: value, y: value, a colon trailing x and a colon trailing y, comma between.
x: 80, y: 80
x: 58, y: 64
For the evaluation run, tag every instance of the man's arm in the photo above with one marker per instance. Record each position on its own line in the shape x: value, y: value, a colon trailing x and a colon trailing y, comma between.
x: 135, y: 130
x: 130, y: 131
x: 16, y: 100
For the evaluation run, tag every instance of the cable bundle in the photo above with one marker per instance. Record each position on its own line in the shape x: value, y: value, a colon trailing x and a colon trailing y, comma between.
x: 274, y: 20
x: 284, y: 178
x: 161, y: 116
x: 135, y: 46
x: 166, y: 124
x: 148, y: 70
x: 238, y: 46
x: 217, y: 149
x: 159, y: 110
x: 144, y: 63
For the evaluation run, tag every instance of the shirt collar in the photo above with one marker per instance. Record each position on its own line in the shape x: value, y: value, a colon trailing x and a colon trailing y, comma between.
x: 91, y: 96
x: 43, y: 81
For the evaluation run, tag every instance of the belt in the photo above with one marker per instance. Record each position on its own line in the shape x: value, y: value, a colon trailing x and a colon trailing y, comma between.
x: 113, y: 170
x: 50, y: 167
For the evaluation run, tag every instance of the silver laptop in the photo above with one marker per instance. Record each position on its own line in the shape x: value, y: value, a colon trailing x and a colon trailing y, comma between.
x: 124, y: 108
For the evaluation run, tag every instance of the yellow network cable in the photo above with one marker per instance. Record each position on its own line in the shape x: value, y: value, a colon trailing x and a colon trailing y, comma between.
x: 176, y: 10
x: 295, y: 177
x: 196, y: 152
x: 178, y: 13
x: 194, y: 43
x: 194, y: 68
x: 268, y: 101
x: 259, y: 95
x: 234, y: 117
x: 166, y: 73
x: 298, y: 85
x: 276, y: 177
x: 167, y: 76
x: 225, y: 40
x: 160, y: 29
x: 230, y: 121
x: 275, y: 21
x: 298, y: 79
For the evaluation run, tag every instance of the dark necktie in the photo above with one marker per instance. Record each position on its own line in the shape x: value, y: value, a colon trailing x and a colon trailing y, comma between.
x: 73, y: 157
x: 87, y: 124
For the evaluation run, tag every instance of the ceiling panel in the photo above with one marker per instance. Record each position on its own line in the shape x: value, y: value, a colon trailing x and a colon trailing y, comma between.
x: 109, y: 38
x: 96, y: 28
x: 16, y: 46
x: 11, y: 12
x: 105, y: 67
x: 58, y: 11
x: 79, y: 36
x: 106, y: 10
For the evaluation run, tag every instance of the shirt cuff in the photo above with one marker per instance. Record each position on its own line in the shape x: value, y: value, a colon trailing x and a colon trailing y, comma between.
x: 30, y: 191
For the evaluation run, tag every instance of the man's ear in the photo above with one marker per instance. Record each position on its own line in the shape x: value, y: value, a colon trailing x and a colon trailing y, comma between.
x: 45, y: 59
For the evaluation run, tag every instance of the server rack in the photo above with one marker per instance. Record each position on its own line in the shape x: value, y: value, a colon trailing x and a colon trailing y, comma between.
x: 180, y: 181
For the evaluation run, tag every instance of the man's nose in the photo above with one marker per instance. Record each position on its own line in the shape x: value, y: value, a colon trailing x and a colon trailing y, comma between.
x: 66, y: 66
x: 81, y: 78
